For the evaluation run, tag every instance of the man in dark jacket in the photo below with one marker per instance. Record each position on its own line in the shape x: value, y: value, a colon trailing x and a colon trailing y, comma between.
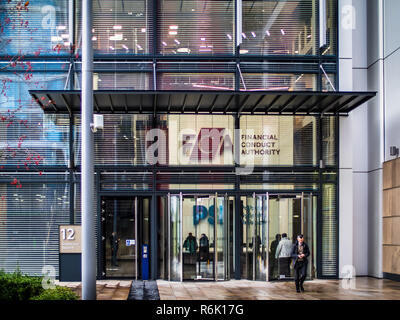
x: 300, y: 253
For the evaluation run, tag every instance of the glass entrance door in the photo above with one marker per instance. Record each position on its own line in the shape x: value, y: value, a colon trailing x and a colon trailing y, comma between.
x: 254, y: 248
x: 198, y: 235
x: 124, y: 229
x: 289, y: 216
x: 270, y: 225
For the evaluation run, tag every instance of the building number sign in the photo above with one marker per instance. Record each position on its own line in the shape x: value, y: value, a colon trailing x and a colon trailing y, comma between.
x: 70, y: 238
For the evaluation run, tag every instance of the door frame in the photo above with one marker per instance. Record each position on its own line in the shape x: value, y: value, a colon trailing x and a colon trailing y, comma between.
x: 268, y: 196
x: 226, y: 229
x: 102, y: 236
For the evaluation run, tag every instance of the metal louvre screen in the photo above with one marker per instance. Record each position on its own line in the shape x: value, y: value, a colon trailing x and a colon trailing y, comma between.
x: 120, y: 26
x: 196, y: 81
x: 29, y: 219
x: 279, y: 81
x: 119, y: 81
x: 278, y: 140
x: 279, y: 27
x: 45, y: 142
x: 28, y: 136
x: 329, y: 47
x: 39, y: 29
x: 196, y: 27
x: 329, y: 141
x: 122, y: 141
x: 329, y: 231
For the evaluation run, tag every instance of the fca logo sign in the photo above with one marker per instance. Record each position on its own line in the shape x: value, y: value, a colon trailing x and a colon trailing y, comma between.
x: 201, y: 213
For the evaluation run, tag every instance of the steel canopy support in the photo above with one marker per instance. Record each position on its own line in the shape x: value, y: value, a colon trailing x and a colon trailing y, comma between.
x: 87, y: 203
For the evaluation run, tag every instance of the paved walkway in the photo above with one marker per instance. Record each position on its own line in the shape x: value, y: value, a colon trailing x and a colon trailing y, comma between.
x: 365, y: 289
x: 106, y: 290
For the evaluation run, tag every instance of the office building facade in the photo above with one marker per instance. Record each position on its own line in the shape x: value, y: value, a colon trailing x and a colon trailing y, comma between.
x: 226, y: 125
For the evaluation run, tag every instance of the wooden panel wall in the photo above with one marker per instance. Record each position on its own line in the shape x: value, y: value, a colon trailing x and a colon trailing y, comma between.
x: 391, y: 217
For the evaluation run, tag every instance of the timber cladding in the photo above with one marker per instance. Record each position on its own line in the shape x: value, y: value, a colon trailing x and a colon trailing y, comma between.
x: 391, y: 217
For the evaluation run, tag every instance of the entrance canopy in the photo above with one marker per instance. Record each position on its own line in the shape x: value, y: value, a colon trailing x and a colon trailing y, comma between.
x: 225, y: 102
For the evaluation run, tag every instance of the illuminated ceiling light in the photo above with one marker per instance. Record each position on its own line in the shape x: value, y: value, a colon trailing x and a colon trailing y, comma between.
x: 173, y: 27
x: 203, y: 39
x: 183, y: 50
x: 117, y: 27
x: 61, y: 28
x: 130, y: 13
x: 125, y: 47
x: 94, y: 38
x: 67, y: 43
x: 93, y: 30
x: 173, y: 33
x: 253, y: 34
x: 297, y: 51
x: 268, y: 33
x: 283, y: 32
x: 244, y: 51
x: 164, y: 43
x: 177, y: 41
x: 193, y: 10
x: 116, y: 37
x: 143, y: 30
x: 55, y: 39
x: 139, y: 47
x: 244, y: 35
x: 309, y: 36
x: 111, y: 47
x: 299, y: 78
x: 65, y: 36
x: 327, y: 49
x: 229, y: 36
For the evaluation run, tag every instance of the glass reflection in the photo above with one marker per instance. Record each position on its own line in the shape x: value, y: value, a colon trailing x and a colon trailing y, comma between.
x: 279, y: 27
x: 196, y: 27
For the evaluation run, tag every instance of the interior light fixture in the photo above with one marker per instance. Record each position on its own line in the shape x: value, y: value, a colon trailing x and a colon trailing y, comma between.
x: 183, y: 50
x: 243, y: 51
x: 143, y: 30
x: 116, y: 37
x: 117, y: 27
x: 229, y: 36
x: 174, y: 27
x: 268, y: 33
x: 244, y: 35
x: 301, y: 76
x: 253, y: 34
x: 61, y: 28
x: 177, y: 41
x: 283, y: 32
x: 55, y: 39
x: 164, y: 43
x: 173, y: 33
x: 94, y: 38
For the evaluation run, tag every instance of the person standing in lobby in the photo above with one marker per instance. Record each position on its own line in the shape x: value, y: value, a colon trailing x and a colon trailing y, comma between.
x: 283, y: 252
x: 300, y: 253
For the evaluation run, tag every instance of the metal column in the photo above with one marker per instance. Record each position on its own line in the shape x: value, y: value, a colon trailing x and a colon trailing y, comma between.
x: 87, y: 204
